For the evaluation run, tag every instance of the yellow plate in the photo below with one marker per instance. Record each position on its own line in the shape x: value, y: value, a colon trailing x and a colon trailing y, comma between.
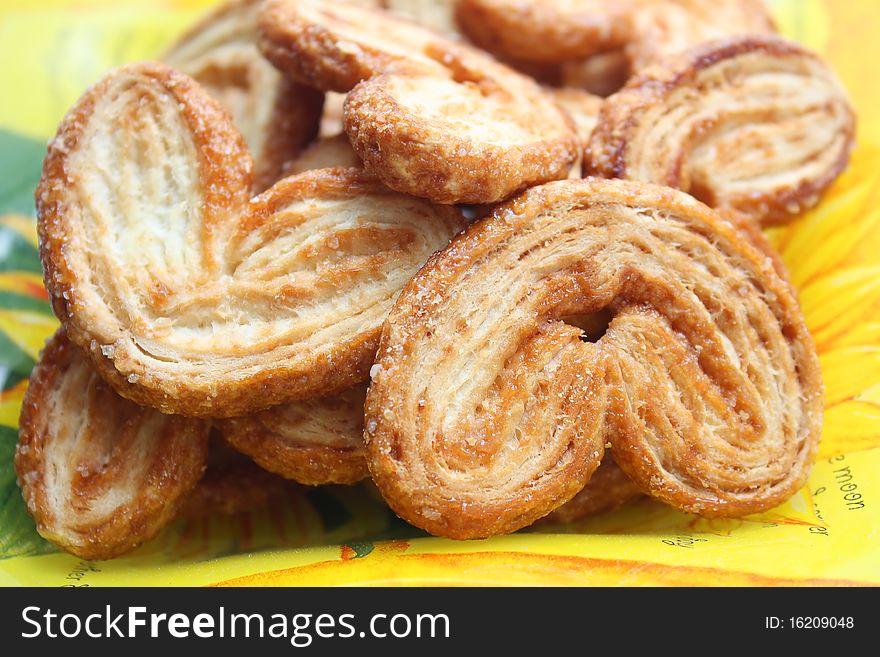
x: 827, y: 534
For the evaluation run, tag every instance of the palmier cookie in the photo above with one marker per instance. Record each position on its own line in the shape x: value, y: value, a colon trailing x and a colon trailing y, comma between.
x: 486, y: 412
x: 232, y: 484
x: 276, y: 116
x: 189, y: 297
x: 429, y: 116
x: 608, y: 489
x: 318, y: 441
x: 99, y: 474
x: 757, y: 124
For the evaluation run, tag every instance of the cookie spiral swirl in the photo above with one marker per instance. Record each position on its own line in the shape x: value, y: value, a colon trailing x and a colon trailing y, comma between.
x: 756, y: 124
x: 190, y: 297
x: 486, y: 412
x: 99, y: 474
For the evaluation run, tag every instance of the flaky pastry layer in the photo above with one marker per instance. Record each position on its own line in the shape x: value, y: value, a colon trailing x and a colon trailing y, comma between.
x: 664, y: 28
x: 99, y: 474
x: 486, y: 412
x: 570, y: 32
x: 757, y: 124
x: 188, y: 296
x: 430, y: 116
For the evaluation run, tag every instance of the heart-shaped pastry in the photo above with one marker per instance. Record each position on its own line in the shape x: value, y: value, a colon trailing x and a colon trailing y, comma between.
x: 757, y: 124
x: 429, y: 116
x: 99, y: 474
x: 487, y: 412
x: 188, y: 296
x: 317, y: 441
x: 276, y: 116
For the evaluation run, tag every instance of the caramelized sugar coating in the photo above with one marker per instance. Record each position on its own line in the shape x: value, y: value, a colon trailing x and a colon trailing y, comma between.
x: 189, y: 297
x: 232, y: 483
x: 333, y: 47
x: 429, y: 116
x: 319, y: 441
x: 550, y: 31
x: 436, y: 138
x: 608, y: 489
x: 758, y: 124
x: 99, y: 474
x: 276, y: 116
x: 487, y: 412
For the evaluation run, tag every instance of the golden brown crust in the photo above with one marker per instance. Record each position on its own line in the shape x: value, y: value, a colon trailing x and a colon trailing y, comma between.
x: 232, y: 484
x: 410, y: 132
x: 756, y: 124
x: 429, y: 116
x: 608, y: 489
x: 192, y: 299
x: 318, y: 441
x: 98, y: 474
x: 276, y: 116
x: 333, y: 47
x: 544, y: 30
x: 706, y: 381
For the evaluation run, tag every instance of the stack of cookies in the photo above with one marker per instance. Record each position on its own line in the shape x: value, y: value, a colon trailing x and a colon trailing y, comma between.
x: 504, y: 257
